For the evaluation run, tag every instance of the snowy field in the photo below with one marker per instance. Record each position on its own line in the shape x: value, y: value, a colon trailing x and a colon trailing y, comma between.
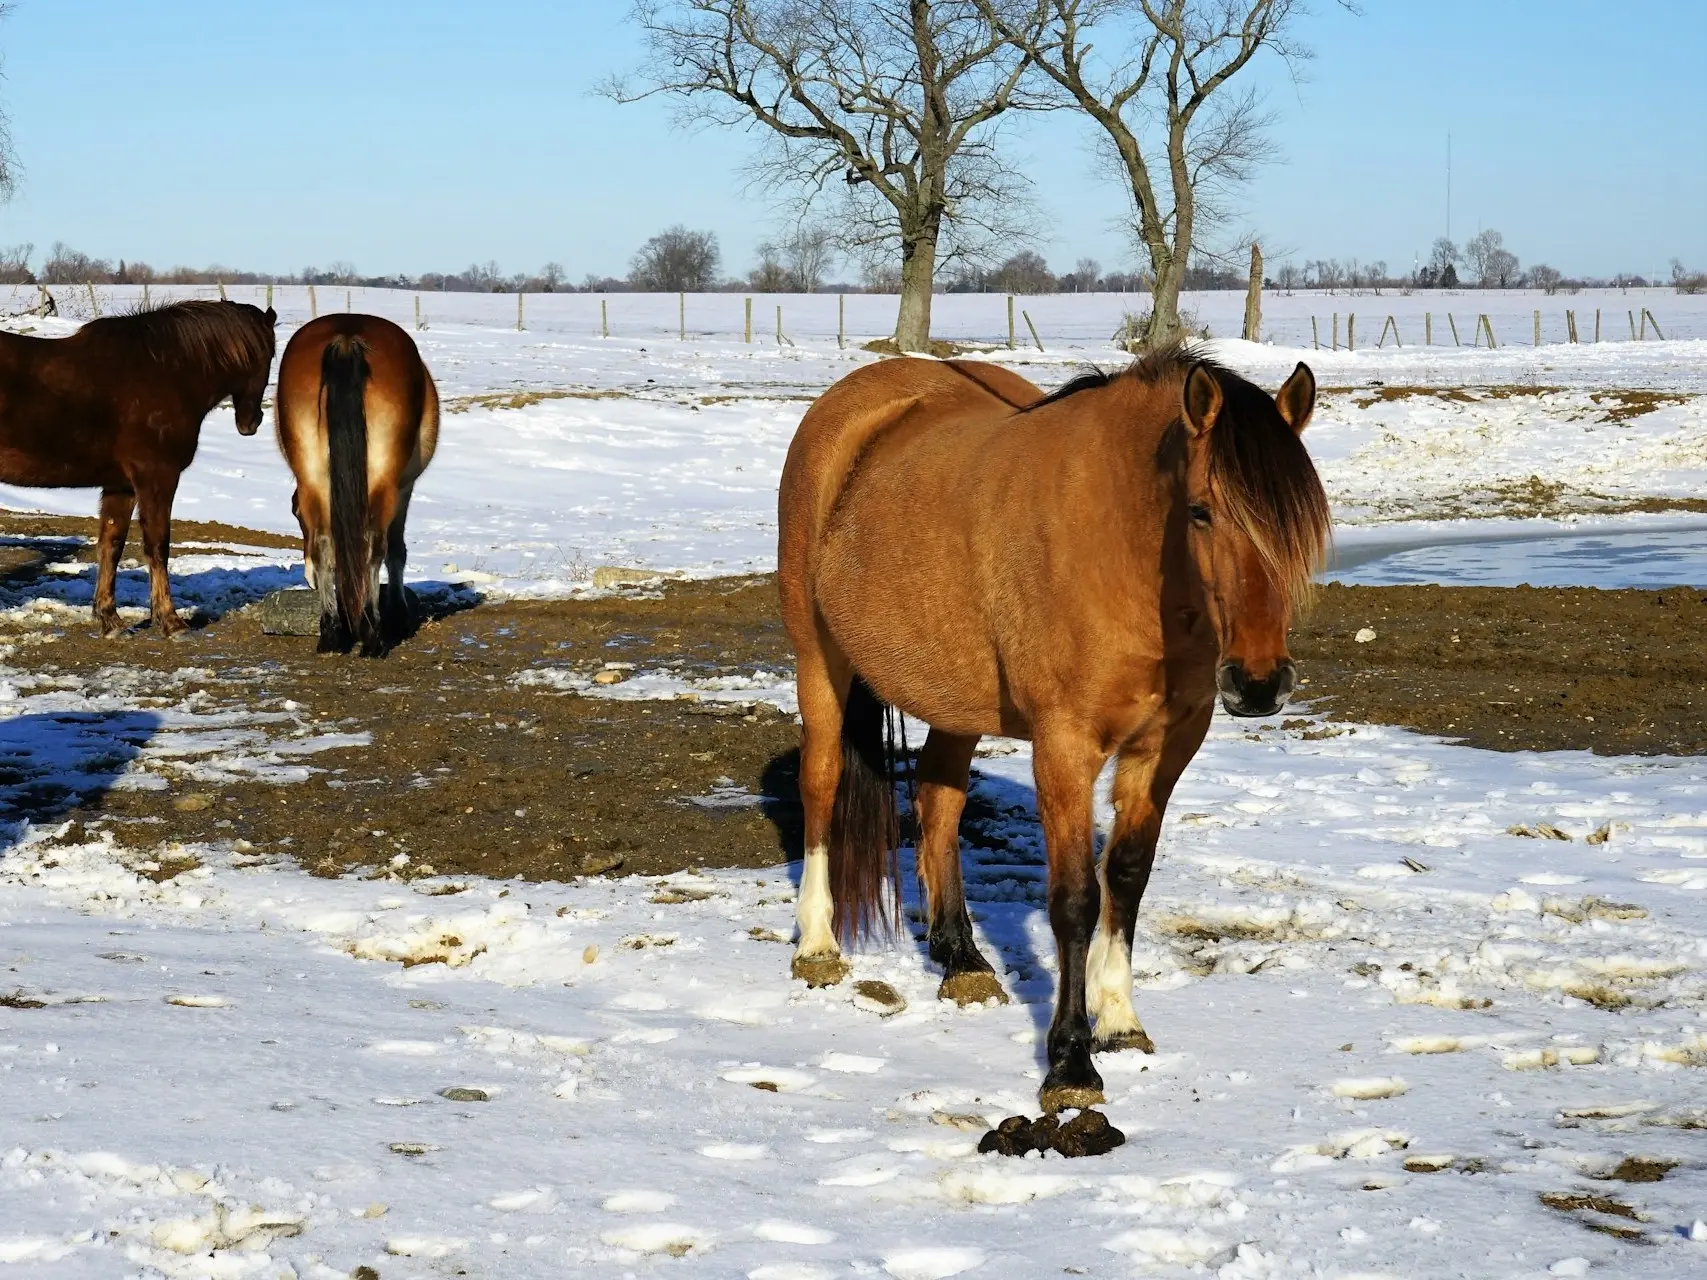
x: 1421, y: 1010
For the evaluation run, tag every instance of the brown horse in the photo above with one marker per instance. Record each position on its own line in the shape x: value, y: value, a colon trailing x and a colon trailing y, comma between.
x: 358, y: 421
x: 119, y: 404
x: 1087, y: 570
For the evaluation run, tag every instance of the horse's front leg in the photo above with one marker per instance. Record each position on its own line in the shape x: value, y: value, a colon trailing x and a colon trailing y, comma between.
x: 1143, y: 783
x: 154, y: 494
x: 1065, y: 766
x: 116, y: 508
x: 945, y: 766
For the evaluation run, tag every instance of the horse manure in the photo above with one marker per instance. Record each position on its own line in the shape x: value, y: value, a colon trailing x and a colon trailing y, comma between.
x: 1087, y: 1134
x: 1012, y: 1137
x: 412, y: 1148
x: 758, y: 933
x: 364, y: 1273
x: 192, y: 803
x: 596, y: 863
x: 878, y: 997
x: 458, y: 1093
x: 1641, y: 1169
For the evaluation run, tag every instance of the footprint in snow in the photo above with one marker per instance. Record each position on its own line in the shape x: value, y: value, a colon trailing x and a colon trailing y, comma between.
x: 746, y: 1009
x: 534, y: 1200
x: 837, y: 1135
x: 638, y: 1202
x: 735, y: 1151
x: 852, y: 1063
x: 935, y: 1263
x: 771, y: 1079
x: 645, y: 1035
x: 640, y: 1002
x: 792, y: 1233
x: 658, y: 1237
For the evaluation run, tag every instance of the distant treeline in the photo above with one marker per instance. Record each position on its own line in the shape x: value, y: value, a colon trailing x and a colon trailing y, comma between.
x: 680, y: 260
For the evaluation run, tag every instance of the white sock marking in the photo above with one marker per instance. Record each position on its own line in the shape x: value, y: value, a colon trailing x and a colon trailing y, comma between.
x: 1108, y: 985
x: 814, y: 907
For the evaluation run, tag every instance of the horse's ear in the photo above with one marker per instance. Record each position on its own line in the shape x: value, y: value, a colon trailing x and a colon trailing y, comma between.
x: 1201, y: 399
x: 1297, y: 399
x: 273, y: 318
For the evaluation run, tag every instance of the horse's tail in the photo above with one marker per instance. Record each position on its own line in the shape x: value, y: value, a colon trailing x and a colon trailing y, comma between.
x: 865, y: 829
x: 343, y: 381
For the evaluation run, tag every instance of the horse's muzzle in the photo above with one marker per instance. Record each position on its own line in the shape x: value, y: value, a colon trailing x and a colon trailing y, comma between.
x: 1244, y: 696
x: 248, y: 428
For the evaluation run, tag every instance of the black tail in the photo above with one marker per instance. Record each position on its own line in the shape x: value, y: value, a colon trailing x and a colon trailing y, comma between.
x: 343, y: 378
x: 865, y: 830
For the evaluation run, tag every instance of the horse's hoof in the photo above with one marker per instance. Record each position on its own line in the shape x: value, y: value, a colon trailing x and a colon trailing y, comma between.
x: 971, y: 986
x: 1068, y: 1097
x: 1071, y: 1083
x: 820, y: 971
x: 1120, y: 1041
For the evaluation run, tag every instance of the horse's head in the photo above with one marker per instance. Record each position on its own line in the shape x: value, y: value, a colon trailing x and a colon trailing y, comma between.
x: 1257, y: 525
x: 251, y: 383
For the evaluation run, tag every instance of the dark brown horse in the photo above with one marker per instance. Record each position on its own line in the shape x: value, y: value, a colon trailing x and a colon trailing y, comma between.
x: 1088, y: 570
x: 358, y: 420
x: 119, y: 404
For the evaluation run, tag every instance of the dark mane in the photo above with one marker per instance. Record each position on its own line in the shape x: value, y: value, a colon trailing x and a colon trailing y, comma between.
x: 219, y: 337
x: 1257, y: 464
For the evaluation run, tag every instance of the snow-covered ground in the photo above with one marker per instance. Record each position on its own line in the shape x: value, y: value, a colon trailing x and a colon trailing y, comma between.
x: 1402, y: 990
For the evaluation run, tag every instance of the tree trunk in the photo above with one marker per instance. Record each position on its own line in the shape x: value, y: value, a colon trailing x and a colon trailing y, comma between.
x: 1253, y: 298
x: 1165, y: 328
x: 918, y: 275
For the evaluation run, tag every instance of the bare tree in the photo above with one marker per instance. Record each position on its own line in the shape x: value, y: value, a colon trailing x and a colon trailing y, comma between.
x: 66, y: 265
x: 15, y: 264
x: 1488, y: 257
x: 884, y: 108
x: 676, y: 261
x: 1161, y: 66
x: 1084, y: 277
x: 808, y: 252
x: 768, y: 274
x: 1545, y: 278
x: 551, y: 276
x: 1288, y: 277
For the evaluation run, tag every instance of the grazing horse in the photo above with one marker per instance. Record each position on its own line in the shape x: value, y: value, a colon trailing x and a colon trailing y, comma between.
x: 1088, y: 570
x: 119, y: 404
x: 358, y: 421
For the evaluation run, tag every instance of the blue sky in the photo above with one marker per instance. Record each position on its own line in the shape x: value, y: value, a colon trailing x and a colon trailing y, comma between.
x: 427, y: 135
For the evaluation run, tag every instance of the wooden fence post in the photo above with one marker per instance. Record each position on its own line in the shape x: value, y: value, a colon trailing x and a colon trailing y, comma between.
x: 1649, y: 317
x: 782, y: 339
x: 1454, y: 325
x: 347, y: 307
x: 1336, y: 337
x: 1537, y: 328
x: 1597, y: 324
x: 417, y: 311
x: 1253, y: 298
x: 1488, y: 324
x: 1632, y: 316
x: 604, y: 317
x: 1351, y: 332
x: 145, y: 295
x: 269, y: 295
x: 313, y: 303
x: 1570, y: 325
x: 748, y: 331
x: 1033, y: 328
x: 221, y: 285
x: 841, y: 321
x: 519, y: 296
x: 1394, y: 326
x: 1010, y: 322
x: 44, y: 301
x: 94, y: 302
x: 682, y: 316
x: 1428, y: 328
x: 1315, y: 335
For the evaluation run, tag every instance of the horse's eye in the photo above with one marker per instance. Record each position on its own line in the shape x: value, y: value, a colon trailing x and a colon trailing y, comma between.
x: 1199, y: 514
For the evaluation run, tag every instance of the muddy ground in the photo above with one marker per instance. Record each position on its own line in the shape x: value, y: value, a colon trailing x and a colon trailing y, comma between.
x: 470, y: 771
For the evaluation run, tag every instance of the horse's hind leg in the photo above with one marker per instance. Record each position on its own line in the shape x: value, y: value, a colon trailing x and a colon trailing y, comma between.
x: 944, y: 770
x: 154, y: 494
x: 116, y: 508
x: 1144, y: 780
x: 823, y: 680
x: 397, y: 618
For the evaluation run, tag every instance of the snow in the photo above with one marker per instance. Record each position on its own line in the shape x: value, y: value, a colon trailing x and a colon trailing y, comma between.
x: 1392, y: 1011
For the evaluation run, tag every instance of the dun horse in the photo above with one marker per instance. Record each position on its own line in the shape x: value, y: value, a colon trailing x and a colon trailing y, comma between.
x: 119, y: 404
x: 358, y: 421
x: 1088, y: 570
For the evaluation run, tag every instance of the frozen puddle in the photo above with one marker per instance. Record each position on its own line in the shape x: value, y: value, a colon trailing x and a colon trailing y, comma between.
x: 1595, y: 555
x: 1365, y: 1068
